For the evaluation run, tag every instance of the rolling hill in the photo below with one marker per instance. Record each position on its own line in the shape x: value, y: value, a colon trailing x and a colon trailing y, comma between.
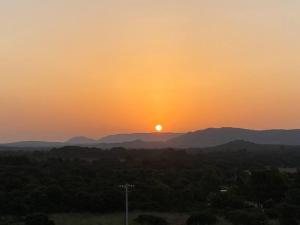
x: 218, y: 136
x: 198, y: 139
x: 147, y: 137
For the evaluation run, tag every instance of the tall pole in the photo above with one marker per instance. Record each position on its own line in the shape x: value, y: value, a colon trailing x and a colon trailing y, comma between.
x: 126, y: 205
x: 126, y: 187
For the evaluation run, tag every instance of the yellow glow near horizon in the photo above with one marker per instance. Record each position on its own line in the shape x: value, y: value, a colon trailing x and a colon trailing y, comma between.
x: 158, y: 128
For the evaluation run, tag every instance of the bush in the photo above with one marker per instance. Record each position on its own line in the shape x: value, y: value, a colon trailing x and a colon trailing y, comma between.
x: 38, y: 219
x: 288, y: 221
x: 288, y: 210
x: 249, y: 217
x: 288, y: 214
x: 204, y: 218
x: 272, y: 213
x: 150, y: 220
x: 227, y: 201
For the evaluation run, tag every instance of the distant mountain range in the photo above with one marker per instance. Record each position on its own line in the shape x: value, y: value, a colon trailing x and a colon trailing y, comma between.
x: 33, y: 144
x: 120, y: 138
x: 239, y: 145
x: 148, y: 137
x: 133, y: 140
x: 197, y: 139
x: 219, y: 136
x: 80, y: 140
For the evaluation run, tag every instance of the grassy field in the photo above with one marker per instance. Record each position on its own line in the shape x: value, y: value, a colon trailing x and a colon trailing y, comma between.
x: 117, y: 218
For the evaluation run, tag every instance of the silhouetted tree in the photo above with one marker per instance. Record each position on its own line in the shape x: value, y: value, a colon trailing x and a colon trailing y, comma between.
x: 246, y: 217
x: 150, y: 220
x: 204, y: 218
x: 38, y: 219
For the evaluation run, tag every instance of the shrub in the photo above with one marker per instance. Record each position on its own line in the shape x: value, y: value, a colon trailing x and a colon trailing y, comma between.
x: 288, y: 221
x: 38, y: 219
x: 246, y: 217
x: 150, y: 220
x: 288, y: 214
x: 204, y: 218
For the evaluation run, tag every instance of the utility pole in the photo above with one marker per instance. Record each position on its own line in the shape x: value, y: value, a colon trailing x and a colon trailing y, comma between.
x: 126, y: 187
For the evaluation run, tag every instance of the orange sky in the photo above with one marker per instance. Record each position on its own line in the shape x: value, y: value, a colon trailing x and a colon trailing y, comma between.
x: 75, y: 67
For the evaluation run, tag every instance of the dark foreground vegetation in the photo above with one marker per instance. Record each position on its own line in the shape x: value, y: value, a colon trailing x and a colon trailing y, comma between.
x: 241, y: 185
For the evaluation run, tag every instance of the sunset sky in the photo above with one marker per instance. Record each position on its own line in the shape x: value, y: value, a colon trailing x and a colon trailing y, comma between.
x: 96, y: 67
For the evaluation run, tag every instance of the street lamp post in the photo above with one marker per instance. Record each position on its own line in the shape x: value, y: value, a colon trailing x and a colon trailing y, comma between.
x: 126, y: 187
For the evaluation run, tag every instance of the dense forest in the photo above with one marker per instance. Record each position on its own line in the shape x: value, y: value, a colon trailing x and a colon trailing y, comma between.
x: 252, y: 186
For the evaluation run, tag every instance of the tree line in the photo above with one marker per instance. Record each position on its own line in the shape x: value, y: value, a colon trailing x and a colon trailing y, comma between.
x: 236, y: 185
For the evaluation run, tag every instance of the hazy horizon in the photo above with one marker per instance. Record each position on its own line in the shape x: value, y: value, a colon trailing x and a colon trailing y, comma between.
x: 97, y: 138
x: 94, y: 68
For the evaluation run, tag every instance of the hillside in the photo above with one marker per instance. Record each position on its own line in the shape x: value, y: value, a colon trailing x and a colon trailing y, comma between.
x: 218, y: 136
x: 147, y: 137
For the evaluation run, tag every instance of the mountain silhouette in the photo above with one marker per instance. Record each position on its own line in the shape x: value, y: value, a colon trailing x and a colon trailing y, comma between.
x: 136, y: 144
x: 198, y: 139
x: 80, y: 140
x: 218, y: 136
x: 33, y: 144
x: 147, y: 137
x: 240, y: 145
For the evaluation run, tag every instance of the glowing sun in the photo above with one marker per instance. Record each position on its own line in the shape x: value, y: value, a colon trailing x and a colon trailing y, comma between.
x: 158, y: 128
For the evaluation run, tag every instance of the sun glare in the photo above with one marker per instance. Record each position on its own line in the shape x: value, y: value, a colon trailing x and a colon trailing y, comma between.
x: 158, y: 128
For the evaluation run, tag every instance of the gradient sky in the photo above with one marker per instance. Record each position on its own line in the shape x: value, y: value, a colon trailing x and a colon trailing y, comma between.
x: 78, y: 67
